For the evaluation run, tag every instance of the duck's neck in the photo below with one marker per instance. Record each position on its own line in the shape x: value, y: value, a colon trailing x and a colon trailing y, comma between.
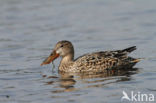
x: 67, y: 58
x: 66, y: 61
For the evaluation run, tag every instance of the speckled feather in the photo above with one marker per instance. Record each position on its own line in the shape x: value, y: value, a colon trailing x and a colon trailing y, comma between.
x: 101, y: 61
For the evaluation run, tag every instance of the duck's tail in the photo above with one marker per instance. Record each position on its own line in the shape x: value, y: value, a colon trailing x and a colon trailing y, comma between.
x: 131, y: 62
x: 130, y: 49
x: 137, y: 60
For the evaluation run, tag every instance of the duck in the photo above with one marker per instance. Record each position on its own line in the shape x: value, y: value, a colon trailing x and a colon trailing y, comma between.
x: 90, y: 62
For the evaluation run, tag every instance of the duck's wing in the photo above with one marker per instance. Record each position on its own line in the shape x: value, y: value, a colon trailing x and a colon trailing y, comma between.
x: 124, y: 52
x: 108, y: 54
x: 105, y: 59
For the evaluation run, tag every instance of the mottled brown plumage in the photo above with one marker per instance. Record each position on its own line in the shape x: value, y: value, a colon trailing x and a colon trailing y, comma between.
x: 94, y: 62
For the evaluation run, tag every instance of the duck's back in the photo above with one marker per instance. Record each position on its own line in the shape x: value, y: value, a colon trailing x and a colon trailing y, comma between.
x: 100, y: 61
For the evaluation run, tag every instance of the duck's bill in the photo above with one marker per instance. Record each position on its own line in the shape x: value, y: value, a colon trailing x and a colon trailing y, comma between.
x: 51, y: 58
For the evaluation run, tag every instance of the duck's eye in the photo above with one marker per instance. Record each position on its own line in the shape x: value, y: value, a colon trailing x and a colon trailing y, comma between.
x: 61, y: 46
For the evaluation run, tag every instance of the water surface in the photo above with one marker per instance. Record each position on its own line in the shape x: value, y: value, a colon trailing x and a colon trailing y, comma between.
x: 29, y: 30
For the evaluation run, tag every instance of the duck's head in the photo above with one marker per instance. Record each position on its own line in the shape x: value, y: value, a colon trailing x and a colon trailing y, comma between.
x: 62, y: 48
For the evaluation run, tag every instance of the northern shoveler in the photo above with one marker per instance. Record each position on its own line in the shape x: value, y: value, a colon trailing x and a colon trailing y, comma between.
x: 94, y: 62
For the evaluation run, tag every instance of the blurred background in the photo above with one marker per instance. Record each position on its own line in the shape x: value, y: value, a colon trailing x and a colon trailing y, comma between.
x: 29, y: 29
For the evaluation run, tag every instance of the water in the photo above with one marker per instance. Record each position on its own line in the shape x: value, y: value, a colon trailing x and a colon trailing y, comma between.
x: 29, y: 30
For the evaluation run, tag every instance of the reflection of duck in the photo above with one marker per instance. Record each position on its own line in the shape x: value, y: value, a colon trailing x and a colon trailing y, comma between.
x: 67, y: 82
x: 95, y: 62
x: 105, y: 74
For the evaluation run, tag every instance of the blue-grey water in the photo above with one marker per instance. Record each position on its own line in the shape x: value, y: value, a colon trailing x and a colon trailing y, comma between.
x: 29, y: 29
